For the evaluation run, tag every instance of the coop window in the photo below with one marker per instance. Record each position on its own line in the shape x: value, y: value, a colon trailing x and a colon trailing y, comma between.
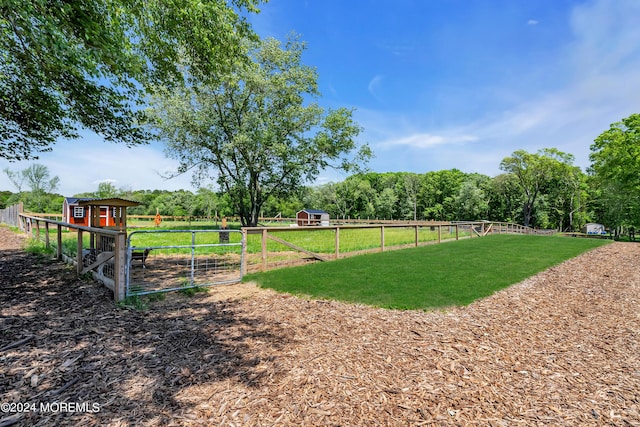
x: 78, y: 212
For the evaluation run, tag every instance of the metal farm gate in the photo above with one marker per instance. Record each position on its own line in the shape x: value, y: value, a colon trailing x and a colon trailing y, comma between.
x: 170, y: 260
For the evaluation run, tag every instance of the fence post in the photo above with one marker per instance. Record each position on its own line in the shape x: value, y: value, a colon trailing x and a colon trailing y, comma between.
x: 46, y: 235
x: 416, y: 233
x: 382, y: 238
x: 457, y: 234
x: 79, y: 265
x: 59, y: 239
x: 263, y: 243
x: 193, y: 257
x: 119, y: 279
x: 439, y: 233
x: 243, y: 255
x: 337, y: 242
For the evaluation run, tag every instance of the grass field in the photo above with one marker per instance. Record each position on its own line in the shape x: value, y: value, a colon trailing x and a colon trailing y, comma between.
x: 428, y: 277
x: 352, y: 239
x: 320, y: 241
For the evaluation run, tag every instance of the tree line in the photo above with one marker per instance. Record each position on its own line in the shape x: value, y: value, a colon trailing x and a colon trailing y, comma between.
x: 542, y: 189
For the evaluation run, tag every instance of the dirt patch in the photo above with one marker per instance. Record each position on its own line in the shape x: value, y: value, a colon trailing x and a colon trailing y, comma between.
x: 176, y: 271
x: 560, y: 348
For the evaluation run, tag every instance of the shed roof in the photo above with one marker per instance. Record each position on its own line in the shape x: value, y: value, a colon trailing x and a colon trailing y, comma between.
x: 111, y: 201
x: 75, y: 200
x: 313, y: 211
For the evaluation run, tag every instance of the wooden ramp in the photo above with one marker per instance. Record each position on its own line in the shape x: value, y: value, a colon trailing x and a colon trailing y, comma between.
x: 100, y: 259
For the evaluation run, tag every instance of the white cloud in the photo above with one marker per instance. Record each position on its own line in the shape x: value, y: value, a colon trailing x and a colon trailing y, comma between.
x: 400, y: 49
x: 600, y: 67
x: 374, y: 86
x: 532, y: 22
x: 425, y: 140
x: 607, y: 36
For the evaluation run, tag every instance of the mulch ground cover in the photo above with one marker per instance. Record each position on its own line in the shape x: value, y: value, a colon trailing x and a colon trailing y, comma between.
x: 560, y: 348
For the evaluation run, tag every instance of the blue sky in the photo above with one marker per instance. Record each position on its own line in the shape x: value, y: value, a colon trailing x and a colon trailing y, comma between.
x: 436, y: 84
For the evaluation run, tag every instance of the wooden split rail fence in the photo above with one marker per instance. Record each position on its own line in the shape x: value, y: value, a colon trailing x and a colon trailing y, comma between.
x: 105, y: 254
x: 339, y: 241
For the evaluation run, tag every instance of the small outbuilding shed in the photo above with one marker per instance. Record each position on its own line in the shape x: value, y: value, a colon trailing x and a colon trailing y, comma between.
x: 103, y: 213
x: 312, y: 217
x: 593, y: 228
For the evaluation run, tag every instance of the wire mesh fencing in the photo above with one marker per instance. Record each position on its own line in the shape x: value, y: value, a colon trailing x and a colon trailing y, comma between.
x: 169, y: 260
x: 273, y: 247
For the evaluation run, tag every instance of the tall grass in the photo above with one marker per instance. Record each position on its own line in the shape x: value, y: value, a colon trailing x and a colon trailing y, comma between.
x: 450, y: 274
x: 37, y: 247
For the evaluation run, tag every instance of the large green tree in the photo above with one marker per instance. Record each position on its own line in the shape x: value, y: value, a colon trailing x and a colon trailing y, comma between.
x: 438, y: 194
x: 66, y: 64
x: 411, y: 183
x: 535, y: 173
x: 504, y: 198
x: 39, y: 197
x: 615, y: 166
x: 258, y: 131
x: 385, y: 202
x: 37, y: 177
x: 472, y: 202
x: 565, y: 197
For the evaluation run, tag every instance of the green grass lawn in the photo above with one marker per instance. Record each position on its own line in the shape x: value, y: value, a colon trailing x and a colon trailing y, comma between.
x: 428, y: 277
x: 316, y: 240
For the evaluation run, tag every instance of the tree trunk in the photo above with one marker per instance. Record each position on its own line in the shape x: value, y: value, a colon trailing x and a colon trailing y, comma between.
x: 527, y: 214
x: 254, y: 215
x: 254, y: 219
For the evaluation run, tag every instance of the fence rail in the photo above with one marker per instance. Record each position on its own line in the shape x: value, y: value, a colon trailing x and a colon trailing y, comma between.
x: 98, y: 251
x: 170, y: 260
x: 273, y: 247
x: 107, y: 255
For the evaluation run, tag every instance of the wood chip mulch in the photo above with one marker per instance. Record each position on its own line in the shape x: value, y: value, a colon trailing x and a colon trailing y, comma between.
x: 560, y: 348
